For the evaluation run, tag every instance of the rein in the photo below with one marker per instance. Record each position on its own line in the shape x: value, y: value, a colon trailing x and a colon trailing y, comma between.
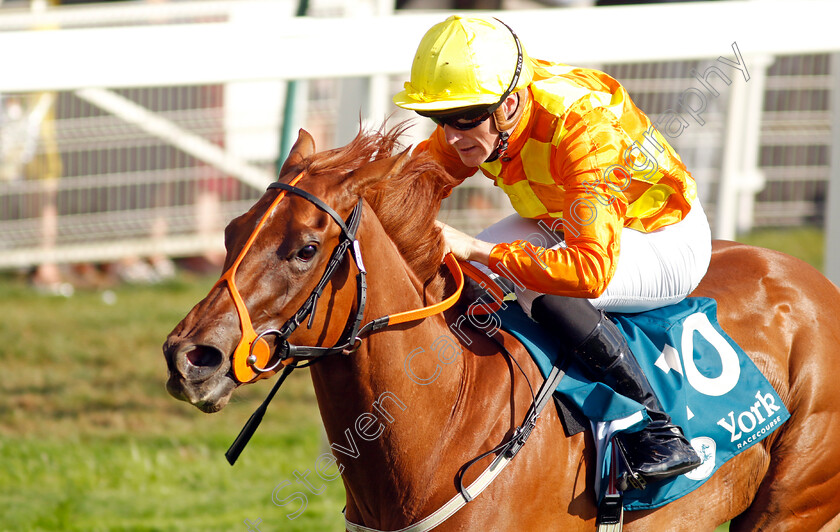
x: 253, y: 349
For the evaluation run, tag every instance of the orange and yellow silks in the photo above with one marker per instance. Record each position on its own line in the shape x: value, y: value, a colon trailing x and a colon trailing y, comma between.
x: 584, y: 159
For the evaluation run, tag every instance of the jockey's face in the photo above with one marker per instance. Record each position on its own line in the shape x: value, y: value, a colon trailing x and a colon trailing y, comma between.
x: 474, y: 146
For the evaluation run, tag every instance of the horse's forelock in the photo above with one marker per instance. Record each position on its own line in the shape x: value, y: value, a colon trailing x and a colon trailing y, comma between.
x: 365, y: 148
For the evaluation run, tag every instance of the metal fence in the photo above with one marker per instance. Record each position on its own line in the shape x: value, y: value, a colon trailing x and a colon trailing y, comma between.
x: 794, y: 136
x: 94, y: 174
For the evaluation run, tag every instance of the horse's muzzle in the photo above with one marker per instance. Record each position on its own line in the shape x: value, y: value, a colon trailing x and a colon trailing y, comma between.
x: 198, y: 375
x: 197, y: 363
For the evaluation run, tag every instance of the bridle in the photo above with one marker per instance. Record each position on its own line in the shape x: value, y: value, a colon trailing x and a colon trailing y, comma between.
x: 253, y: 349
x: 252, y: 355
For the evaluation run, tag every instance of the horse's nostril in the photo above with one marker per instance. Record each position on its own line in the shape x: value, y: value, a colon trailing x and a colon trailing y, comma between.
x: 202, y: 356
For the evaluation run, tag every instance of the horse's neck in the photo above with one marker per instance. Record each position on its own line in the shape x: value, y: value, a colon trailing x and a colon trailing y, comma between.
x: 389, y: 406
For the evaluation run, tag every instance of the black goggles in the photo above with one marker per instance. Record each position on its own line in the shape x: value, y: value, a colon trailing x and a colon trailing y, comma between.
x: 462, y: 119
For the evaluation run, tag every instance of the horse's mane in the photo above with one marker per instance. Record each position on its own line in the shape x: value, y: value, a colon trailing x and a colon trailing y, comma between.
x: 406, y: 203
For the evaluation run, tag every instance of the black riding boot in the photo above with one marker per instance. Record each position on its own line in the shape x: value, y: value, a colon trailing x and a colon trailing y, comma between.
x: 660, y: 450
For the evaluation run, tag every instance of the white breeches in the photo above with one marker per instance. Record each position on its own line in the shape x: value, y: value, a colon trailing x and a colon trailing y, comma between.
x: 654, y: 269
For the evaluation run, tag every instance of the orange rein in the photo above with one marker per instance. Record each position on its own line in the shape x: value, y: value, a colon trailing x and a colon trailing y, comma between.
x: 422, y: 313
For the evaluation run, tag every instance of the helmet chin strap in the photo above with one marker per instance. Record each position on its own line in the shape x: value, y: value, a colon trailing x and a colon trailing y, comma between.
x: 501, y: 147
x: 503, y: 124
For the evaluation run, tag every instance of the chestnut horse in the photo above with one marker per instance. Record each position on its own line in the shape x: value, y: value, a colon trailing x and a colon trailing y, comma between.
x: 456, y: 403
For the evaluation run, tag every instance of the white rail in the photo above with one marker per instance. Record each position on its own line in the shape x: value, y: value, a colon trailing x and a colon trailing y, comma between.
x: 259, y: 41
x: 277, y: 46
x: 177, y: 136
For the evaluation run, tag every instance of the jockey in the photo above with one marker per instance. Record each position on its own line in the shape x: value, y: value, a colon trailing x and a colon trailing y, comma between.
x: 607, y: 216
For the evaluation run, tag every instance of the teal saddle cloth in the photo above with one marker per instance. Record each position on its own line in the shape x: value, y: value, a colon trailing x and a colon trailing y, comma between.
x: 708, y: 385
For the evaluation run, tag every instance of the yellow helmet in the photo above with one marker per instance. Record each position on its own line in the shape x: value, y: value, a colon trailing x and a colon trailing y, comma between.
x: 465, y: 62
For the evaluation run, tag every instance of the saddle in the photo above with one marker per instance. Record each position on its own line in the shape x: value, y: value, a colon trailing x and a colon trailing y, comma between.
x: 706, y: 382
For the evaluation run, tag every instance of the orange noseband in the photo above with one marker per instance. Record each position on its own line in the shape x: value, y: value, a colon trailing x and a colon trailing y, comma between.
x: 246, y: 347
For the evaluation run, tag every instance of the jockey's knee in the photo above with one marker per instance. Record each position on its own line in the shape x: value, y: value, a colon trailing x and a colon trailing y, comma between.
x: 572, y: 318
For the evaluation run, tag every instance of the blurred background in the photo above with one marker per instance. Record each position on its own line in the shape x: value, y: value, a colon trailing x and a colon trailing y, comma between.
x: 131, y: 132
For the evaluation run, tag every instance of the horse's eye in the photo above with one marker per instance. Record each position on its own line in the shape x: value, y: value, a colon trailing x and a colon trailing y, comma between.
x: 307, y: 252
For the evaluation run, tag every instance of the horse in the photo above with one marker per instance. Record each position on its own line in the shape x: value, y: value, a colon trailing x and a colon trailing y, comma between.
x: 464, y: 395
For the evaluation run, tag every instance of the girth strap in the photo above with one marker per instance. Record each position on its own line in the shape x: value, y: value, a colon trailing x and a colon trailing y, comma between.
x: 506, y: 452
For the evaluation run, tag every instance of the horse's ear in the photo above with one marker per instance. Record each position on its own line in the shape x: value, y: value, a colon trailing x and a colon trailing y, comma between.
x: 379, y: 170
x: 304, y: 147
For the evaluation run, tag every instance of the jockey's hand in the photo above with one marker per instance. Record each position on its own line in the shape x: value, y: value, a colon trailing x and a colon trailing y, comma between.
x: 463, y: 246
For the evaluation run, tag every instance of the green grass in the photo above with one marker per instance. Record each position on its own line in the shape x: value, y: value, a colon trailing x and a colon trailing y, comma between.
x: 90, y: 440
x: 157, y: 483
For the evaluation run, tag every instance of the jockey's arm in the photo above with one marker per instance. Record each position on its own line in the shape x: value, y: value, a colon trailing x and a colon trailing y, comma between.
x: 593, y: 217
